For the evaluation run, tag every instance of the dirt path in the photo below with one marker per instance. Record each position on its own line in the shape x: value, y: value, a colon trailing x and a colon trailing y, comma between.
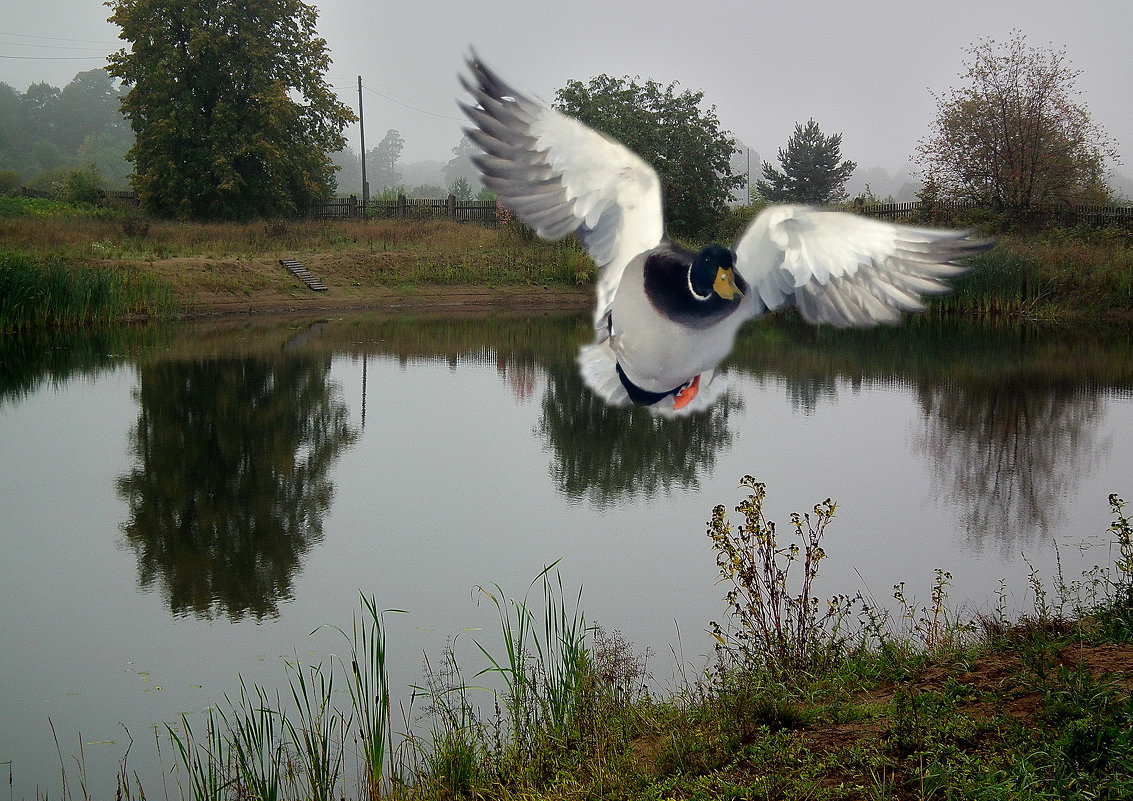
x: 204, y: 286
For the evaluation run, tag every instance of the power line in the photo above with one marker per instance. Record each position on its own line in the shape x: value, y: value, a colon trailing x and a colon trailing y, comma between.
x: 373, y: 90
x: 49, y: 46
x: 53, y: 38
x: 55, y: 58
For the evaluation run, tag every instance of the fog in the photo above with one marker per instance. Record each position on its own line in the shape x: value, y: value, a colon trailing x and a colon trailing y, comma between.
x: 867, y: 70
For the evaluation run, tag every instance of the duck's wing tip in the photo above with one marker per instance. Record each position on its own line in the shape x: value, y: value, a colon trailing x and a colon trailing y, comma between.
x: 847, y: 270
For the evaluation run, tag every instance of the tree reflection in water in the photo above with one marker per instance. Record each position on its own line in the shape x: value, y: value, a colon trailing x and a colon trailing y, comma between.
x: 607, y: 454
x: 231, y: 478
x: 1009, y: 454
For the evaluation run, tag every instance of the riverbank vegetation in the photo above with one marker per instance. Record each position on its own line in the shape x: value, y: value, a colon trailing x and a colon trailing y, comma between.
x: 805, y: 698
x: 173, y: 268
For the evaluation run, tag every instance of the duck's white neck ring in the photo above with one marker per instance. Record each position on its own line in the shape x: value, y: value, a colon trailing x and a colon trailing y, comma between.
x: 692, y: 289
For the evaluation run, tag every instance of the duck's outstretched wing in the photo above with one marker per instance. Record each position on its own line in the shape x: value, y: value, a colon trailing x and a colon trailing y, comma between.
x: 561, y: 176
x: 845, y: 269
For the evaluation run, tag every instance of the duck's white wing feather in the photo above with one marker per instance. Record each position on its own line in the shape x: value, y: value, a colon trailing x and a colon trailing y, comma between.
x: 845, y: 269
x: 561, y: 176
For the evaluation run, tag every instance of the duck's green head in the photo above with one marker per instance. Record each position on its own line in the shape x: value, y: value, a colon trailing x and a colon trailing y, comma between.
x: 713, y: 271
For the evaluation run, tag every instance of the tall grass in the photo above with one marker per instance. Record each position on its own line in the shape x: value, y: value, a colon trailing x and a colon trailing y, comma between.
x: 47, y: 295
x: 369, y: 694
x: 1054, y: 274
x: 542, y: 666
x: 319, y: 736
x: 257, y: 747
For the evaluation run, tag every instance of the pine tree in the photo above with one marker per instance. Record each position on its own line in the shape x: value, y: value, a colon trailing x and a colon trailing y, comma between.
x: 811, y: 170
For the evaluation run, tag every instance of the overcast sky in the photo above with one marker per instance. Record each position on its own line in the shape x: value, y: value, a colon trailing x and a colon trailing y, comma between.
x: 866, y: 69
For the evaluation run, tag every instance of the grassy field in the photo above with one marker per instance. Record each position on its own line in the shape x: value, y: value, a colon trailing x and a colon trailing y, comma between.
x: 206, y: 268
x: 806, y: 698
x: 169, y: 268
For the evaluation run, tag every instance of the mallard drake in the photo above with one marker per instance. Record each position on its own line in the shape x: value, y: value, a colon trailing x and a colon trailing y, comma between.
x: 666, y: 316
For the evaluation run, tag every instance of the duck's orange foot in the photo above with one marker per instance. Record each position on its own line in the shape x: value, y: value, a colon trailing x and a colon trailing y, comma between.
x: 685, y: 394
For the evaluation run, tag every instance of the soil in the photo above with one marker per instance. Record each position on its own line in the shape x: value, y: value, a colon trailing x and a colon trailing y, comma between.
x: 204, y: 286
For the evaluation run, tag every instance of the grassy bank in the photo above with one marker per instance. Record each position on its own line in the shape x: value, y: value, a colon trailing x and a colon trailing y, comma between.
x: 37, y: 294
x: 224, y: 267
x: 805, y: 699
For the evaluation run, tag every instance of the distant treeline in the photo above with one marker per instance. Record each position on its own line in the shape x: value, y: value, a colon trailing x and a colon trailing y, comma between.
x: 47, y: 132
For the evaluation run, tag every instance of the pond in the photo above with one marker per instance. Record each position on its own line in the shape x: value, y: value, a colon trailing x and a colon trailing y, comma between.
x: 188, y: 506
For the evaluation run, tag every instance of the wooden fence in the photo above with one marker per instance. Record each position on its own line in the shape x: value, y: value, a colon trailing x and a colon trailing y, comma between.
x: 1063, y: 217
x: 483, y: 212
x: 490, y: 213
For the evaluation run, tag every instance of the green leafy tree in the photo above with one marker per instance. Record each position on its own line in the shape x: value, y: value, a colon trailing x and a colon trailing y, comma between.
x: 1015, y: 136
x: 349, y: 172
x: 228, y: 102
x: 812, y: 171
x: 13, y: 145
x: 669, y: 129
x: 90, y: 105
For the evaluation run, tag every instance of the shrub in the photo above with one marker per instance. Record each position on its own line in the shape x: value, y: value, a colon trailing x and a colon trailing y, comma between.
x: 776, y: 628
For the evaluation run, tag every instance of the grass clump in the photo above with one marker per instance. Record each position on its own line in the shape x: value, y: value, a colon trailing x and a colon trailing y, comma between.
x: 35, y: 294
x: 1056, y: 274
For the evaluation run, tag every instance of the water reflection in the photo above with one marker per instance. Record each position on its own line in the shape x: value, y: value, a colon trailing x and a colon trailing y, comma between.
x: 607, y: 454
x: 1010, y: 413
x: 230, y: 485
x: 1009, y: 454
x: 233, y: 454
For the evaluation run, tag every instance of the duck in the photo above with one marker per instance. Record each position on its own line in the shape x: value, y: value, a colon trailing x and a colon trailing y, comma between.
x: 666, y: 316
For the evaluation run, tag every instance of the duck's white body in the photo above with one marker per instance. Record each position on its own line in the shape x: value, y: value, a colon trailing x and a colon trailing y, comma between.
x: 657, y: 353
x: 562, y: 177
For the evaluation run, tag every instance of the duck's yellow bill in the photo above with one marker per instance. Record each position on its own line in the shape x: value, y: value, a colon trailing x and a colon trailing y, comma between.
x: 725, y: 284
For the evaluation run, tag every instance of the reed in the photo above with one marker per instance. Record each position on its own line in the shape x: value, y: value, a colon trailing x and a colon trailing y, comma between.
x: 369, y: 694
x: 205, y: 758
x: 256, y: 741
x: 320, y: 736
x: 543, y: 669
x: 50, y: 295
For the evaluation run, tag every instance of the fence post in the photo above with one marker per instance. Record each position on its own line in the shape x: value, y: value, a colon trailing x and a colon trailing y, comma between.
x: 450, y: 207
x: 402, y: 206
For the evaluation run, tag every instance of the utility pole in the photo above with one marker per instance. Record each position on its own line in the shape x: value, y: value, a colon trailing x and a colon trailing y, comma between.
x: 362, y: 137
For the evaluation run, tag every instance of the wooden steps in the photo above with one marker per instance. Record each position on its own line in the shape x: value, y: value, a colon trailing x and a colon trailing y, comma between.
x: 303, y: 274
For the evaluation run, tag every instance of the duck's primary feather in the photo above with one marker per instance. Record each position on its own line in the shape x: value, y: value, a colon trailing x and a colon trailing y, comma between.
x: 653, y: 338
x: 561, y: 177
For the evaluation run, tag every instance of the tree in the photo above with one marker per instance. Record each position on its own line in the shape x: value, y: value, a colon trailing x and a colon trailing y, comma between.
x: 348, y: 173
x: 461, y: 165
x: 811, y: 169
x: 46, y: 130
x: 460, y: 189
x: 1015, y: 137
x: 382, y: 161
x: 679, y: 139
x: 231, y: 112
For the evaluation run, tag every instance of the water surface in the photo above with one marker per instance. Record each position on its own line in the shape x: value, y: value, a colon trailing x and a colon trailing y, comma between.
x: 188, y: 505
